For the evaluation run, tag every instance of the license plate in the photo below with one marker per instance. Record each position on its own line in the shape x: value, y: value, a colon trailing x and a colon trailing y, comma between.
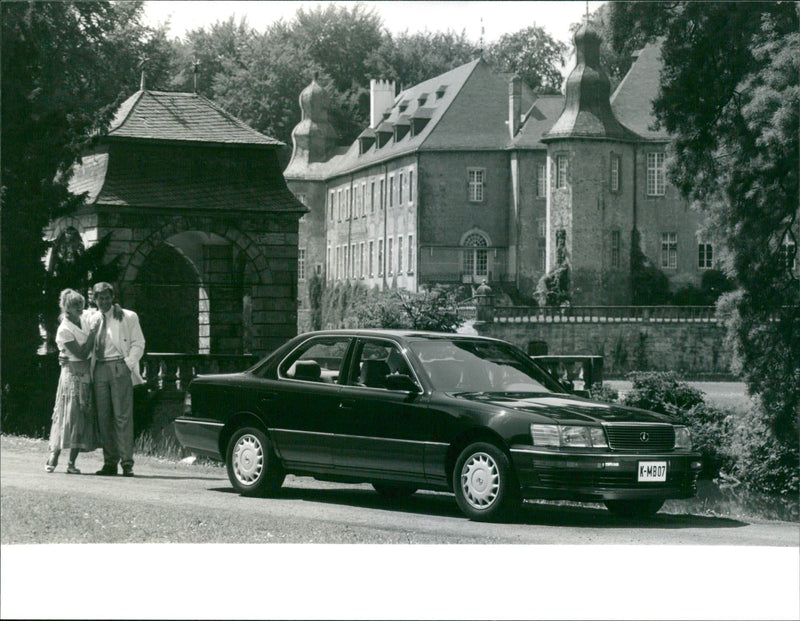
x: 652, y: 471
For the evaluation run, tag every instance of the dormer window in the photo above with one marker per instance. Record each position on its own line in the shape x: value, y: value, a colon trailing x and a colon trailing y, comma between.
x: 401, y: 127
x: 384, y: 133
x: 422, y: 99
x: 365, y: 140
x: 420, y: 119
x: 440, y: 91
x: 403, y: 106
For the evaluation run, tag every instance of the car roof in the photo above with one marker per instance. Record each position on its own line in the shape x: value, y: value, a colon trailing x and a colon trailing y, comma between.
x: 402, y: 334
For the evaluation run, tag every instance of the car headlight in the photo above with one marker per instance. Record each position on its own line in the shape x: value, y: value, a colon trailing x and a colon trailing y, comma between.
x: 683, y: 439
x: 568, y: 436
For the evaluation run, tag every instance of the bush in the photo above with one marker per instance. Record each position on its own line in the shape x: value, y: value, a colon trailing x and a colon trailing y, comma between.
x: 661, y: 392
x: 763, y: 463
x: 604, y: 393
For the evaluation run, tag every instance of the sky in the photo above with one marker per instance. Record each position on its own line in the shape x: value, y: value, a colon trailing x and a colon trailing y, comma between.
x: 496, y: 18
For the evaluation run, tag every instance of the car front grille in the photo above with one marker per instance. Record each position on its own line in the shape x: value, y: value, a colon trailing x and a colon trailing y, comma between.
x: 648, y: 438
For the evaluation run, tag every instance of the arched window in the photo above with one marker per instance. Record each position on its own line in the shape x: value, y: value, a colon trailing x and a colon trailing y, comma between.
x: 476, y: 256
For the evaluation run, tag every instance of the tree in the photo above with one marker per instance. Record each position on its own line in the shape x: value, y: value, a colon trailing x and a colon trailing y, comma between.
x: 533, y: 55
x: 730, y: 97
x: 65, y: 69
x: 411, y: 58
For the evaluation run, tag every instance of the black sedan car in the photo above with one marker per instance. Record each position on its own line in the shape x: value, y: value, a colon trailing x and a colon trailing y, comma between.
x: 406, y: 410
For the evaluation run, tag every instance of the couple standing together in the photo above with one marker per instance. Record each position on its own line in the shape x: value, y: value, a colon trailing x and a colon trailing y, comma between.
x: 99, y: 352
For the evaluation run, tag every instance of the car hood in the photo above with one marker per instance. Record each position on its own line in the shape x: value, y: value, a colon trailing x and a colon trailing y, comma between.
x: 567, y: 408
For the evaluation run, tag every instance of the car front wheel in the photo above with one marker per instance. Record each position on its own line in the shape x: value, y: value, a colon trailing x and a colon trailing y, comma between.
x: 253, y: 468
x: 484, y: 483
x: 634, y: 508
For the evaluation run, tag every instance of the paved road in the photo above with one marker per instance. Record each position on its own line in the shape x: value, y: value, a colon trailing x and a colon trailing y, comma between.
x: 712, y: 567
x: 169, y: 502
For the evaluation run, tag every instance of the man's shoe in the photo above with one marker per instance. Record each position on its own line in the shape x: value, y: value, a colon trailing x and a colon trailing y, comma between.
x: 107, y: 471
x: 127, y: 471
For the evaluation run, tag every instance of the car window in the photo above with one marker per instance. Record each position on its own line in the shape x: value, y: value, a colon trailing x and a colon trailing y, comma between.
x: 316, y: 360
x: 478, y: 366
x: 374, y: 361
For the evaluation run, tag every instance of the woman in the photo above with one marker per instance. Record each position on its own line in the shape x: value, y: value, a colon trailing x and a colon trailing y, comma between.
x: 74, y: 418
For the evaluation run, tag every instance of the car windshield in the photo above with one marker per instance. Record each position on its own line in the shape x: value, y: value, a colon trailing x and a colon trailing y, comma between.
x: 480, y: 367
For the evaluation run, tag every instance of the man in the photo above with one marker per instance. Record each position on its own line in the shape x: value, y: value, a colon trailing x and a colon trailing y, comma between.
x: 119, y: 347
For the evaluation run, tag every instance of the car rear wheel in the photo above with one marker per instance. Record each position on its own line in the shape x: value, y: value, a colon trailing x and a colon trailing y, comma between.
x: 484, y: 483
x: 392, y: 491
x: 253, y: 468
x: 634, y: 508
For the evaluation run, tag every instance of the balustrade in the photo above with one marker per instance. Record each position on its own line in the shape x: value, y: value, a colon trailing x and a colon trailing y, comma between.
x: 167, y: 371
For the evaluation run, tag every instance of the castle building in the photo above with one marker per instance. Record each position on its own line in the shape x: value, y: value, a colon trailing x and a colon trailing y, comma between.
x: 470, y: 176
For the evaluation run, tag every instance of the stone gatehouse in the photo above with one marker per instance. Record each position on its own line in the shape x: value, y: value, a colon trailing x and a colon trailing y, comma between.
x: 203, y: 230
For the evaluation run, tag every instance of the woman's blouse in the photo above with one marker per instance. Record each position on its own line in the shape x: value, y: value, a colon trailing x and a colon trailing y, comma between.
x: 68, y: 331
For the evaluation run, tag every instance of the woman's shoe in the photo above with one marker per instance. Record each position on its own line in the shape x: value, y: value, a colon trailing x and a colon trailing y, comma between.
x: 71, y: 469
x: 52, y: 462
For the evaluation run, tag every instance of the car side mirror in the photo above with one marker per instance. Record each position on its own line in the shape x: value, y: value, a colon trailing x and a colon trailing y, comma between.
x: 398, y: 381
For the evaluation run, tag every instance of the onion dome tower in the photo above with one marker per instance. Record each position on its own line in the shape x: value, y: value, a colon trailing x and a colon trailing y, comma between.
x: 314, y: 138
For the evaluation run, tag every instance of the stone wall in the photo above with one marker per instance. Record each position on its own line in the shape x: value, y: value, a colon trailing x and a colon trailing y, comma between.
x: 694, y: 350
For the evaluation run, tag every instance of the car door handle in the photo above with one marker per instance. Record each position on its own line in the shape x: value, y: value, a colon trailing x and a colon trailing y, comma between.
x: 346, y: 405
x: 269, y: 397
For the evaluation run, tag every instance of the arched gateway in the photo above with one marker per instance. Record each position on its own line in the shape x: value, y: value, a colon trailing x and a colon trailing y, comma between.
x: 203, y: 228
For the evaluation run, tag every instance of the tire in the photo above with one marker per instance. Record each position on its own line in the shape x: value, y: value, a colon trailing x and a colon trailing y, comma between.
x: 485, y: 486
x: 253, y: 468
x: 392, y: 491
x: 634, y: 508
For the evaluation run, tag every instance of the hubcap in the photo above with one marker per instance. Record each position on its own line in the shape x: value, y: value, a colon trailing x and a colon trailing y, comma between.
x: 248, y: 459
x: 480, y: 480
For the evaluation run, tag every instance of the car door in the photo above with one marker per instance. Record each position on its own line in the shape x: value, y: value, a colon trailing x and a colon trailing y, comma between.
x: 383, y: 431
x: 302, y: 404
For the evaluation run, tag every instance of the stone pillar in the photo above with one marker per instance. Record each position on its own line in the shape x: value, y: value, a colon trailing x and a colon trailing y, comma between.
x: 484, y: 301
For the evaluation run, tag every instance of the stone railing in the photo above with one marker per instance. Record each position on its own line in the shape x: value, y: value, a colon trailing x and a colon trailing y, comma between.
x: 168, y: 371
x: 604, y: 314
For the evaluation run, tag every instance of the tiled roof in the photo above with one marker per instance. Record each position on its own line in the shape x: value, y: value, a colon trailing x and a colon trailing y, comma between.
x: 448, y: 84
x: 174, y: 189
x: 154, y: 115
x: 539, y: 118
x: 632, y: 102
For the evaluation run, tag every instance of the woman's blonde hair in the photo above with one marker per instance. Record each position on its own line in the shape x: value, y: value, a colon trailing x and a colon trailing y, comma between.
x: 69, y: 297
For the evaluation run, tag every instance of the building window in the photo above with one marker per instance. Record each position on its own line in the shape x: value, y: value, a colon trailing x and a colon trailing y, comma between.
x: 705, y: 256
x: 400, y: 254
x: 301, y: 264
x: 615, y: 163
x: 615, y: 239
x: 562, y: 164
x: 382, y: 188
x: 339, y: 205
x: 475, y: 184
x: 410, y: 186
x: 541, y: 181
x: 541, y: 225
x: 372, y: 197
x: 328, y: 262
x: 789, y: 253
x: 390, y: 257
x: 348, y: 207
x: 353, y: 261
x: 391, y: 191
x: 371, y: 250
x: 400, y: 189
x: 669, y: 250
x: 380, y: 257
x: 331, y: 204
x: 656, y: 174
x: 542, y: 257
x: 361, y: 260
x: 476, y: 255
x: 410, y: 253
x: 364, y: 199
x: 338, y: 262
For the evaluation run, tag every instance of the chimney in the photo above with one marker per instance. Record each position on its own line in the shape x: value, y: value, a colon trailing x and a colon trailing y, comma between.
x: 381, y: 99
x: 514, y: 104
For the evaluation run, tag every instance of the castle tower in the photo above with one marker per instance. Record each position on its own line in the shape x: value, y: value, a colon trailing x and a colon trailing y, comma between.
x: 590, y: 214
x: 314, y: 138
x: 381, y: 99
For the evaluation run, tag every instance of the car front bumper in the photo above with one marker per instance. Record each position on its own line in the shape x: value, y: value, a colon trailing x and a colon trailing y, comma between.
x: 588, y: 477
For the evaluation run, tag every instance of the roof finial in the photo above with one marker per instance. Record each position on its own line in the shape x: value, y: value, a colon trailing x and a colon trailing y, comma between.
x: 195, y: 68
x: 587, y: 10
x: 481, y: 43
x: 142, y: 64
